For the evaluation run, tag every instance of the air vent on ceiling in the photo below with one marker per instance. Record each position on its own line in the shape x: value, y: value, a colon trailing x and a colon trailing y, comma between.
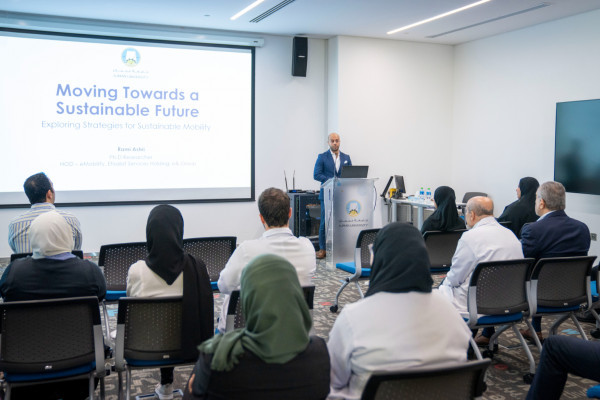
x: 272, y: 10
x: 542, y: 5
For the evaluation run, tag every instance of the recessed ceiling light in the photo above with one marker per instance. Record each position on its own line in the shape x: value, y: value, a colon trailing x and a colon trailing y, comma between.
x: 245, y: 10
x: 438, y: 17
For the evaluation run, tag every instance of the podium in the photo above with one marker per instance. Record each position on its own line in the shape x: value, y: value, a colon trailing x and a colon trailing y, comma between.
x: 349, y: 209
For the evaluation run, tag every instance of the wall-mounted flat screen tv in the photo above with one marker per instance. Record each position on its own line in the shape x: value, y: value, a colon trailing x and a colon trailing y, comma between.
x: 577, y: 146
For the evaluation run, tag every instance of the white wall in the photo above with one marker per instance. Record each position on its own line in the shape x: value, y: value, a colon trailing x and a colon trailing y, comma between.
x: 506, y: 89
x: 394, y: 108
x: 290, y: 124
x: 478, y: 116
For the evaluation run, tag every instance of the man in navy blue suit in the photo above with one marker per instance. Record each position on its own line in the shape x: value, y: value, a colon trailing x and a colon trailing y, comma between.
x: 328, y: 165
x: 554, y: 234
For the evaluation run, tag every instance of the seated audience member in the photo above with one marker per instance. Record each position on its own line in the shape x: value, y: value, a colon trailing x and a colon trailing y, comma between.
x: 445, y: 217
x: 486, y: 240
x: 40, y: 192
x: 554, y: 234
x: 275, y: 212
x: 563, y: 355
x: 397, y: 325
x: 273, y: 357
x: 521, y: 211
x: 51, y: 273
x: 169, y: 271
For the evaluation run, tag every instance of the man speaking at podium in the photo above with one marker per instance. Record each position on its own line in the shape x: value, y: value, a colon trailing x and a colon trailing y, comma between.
x: 328, y: 165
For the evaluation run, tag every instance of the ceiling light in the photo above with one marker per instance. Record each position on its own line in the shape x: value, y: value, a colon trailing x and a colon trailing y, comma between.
x: 437, y: 16
x: 245, y: 10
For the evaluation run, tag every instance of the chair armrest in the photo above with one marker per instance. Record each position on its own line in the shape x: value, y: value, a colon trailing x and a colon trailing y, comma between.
x: 119, y: 348
x: 99, y: 350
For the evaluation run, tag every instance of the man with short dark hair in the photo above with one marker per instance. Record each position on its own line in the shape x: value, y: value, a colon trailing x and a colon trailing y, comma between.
x: 554, y: 234
x: 275, y: 212
x: 41, y: 195
x: 486, y: 240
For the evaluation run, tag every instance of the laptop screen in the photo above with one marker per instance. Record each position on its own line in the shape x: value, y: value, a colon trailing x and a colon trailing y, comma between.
x: 354, y: 171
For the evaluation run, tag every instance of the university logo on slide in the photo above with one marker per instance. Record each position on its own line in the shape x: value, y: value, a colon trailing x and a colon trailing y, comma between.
x: 353, y: 208
x: 130, y: 57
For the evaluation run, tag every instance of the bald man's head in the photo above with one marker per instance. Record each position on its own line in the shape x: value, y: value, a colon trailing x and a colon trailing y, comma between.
x: 478, y: 208
x: 334, y: 142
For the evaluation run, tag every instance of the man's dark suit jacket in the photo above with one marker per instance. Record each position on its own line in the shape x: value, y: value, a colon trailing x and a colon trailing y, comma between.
x: 325, y: 167
x: 555, y: 235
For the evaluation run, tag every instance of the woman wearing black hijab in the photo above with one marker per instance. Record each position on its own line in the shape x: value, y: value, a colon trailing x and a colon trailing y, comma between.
x: 392, y: 327
x: 169, y: 271
x: 445, y: 217
x: 521, y: 211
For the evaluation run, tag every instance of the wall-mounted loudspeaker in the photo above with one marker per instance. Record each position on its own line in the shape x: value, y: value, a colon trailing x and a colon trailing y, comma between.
x: 299, y: 56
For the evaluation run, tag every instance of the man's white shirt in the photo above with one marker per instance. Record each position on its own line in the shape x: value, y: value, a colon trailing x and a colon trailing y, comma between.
x: 300, y: 252
x: 486, y: 241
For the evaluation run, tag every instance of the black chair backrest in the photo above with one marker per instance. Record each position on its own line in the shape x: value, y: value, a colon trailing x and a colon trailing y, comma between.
x: 214, y: 251
x: 506, y: 224
x: 365, y: 238
x: 48, y: 335
x: 152, y: 328
x: 441, y: 247
x: 459, y: 381
x: 13, y: 257
x: 470, y: 195
x: 235, y: 305
x: 500, y: 286
x: 561, y: 281
x: 235, y: 309
x: 116, y: 260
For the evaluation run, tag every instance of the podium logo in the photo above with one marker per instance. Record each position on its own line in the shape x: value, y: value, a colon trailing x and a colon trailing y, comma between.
x: 130, y: 57
x: 353, y: 208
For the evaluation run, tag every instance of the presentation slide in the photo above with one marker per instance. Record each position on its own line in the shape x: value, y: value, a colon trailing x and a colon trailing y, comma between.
x: 125, y: 121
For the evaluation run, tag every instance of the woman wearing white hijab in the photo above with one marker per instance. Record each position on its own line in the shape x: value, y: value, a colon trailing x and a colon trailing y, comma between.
x: 52, y: 272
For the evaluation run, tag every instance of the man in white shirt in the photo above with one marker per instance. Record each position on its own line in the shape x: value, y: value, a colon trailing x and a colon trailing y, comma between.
x: 486, y: 240
x: 275, y: 212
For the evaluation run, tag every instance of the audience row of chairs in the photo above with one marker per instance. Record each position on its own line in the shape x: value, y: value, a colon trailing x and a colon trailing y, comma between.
x: 147, y: 333
x: 502, y: 293
x: 149, y: 336
x: 505, y: 293
x: 440, y: 246
x: 115, y: 260
x: 65, y: 335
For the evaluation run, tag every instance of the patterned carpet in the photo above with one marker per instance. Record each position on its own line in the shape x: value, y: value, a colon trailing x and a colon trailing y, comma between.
x: 504, y: 378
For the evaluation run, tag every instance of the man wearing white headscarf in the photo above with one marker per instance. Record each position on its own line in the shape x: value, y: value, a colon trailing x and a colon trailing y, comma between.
x: 52, y: 272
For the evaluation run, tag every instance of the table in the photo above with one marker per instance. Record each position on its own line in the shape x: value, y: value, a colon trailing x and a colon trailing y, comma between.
x: 420, y: 204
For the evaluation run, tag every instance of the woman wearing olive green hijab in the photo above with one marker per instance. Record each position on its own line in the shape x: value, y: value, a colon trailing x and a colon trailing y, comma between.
x: 273, y: 357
